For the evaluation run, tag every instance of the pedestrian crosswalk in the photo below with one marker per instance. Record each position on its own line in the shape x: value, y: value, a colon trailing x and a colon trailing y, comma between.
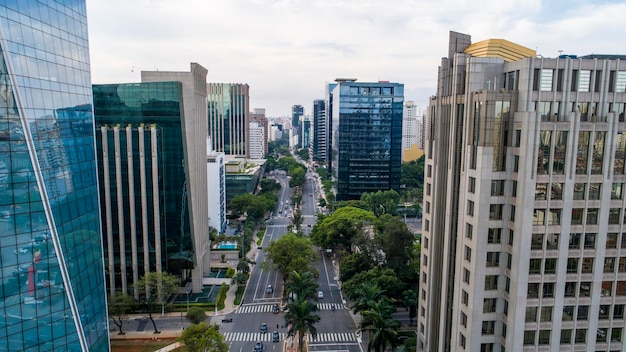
x: 257, y: 336
x: 264, y: 308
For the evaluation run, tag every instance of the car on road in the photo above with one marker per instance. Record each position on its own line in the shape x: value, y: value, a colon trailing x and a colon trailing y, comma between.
x: 258, y: 347
x: 310, y: 194
x: 320, y: 294
x: 275, y: 336
x: 263, y: 328
x: 269, y: 289
x: 275, y: 309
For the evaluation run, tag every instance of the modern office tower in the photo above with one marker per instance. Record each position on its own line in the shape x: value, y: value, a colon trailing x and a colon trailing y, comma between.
x: 366, y: 136
x: 420, y: 132
x: 409, y: 126
x: 257, y: 137
x: 523, y: 246
x: 216, y: 180
x: 296, y: 112
x: 52, y: 291
x: 229, y: 119
x: 318, y: 134
x: 151, y: 138
x: 305, y: 131
x: 328, y: 102
x: 259, y: 116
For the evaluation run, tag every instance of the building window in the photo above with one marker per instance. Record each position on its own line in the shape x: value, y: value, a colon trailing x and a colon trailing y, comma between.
x: 611, y: 240
x: 568, y: 313
x: 546, y: 80
x: 495, y: 211
x: 535, y: 266
x: 607, y: 288
x: 548, y: 290
x: 597, y: 156
x: 620, y: 82
x: 531, y: 314
x: 617, y: 190
x: 572, y: 265
x: 429, y: 171
x: 604, y: 312
x: 556, y: 191
x: 469, y: 229
x: 486, y: 347
x: 574, y: 240
x: 621, y: 267
x: 533, y: 290
x: 466, y: 276
x: 581, y: 336
x: 514, y: 189
x: 470, y: 208
x: 577, y: 216
x: 552, y: 241
x: 426, y: 225
x: 544, y: 337
x: 541, y: 191
x: 546, y: 314
x: 554, y: 217
x: 536, y: 241
x: 579, y: 191
x: 462, y: 340
x: 570, y: 288
x: 488, y: 327
x: 584, y: 77
x: 471, y: 185
x: 582, y: 152
x: 465, y: 297
x: 493, y: 235
x: 618, y: 311
x: 585, y: 289
x: 463, y: 319
x: 511, y: 237
x: 428, y: 189
x: 609, y: 264
x: 427, y: 208
x: 497, y: 188
x: 489, y: 305
x: 592, y: 216
x: 616, y: 335
x: 620, y: 288
x: 566, y: 336
x: 549, y: 266
x: 539, y: 217
x: 493, y: 259
x: 491, y: 282
x: 560, y: 150
x: 602, y: 335
x: 529, y: 337
x: 583, y: 313
x: 594, y: 191
x: 614, y: 218
x: 468, y: 254
x: 587, y: 265
x: 590, y: 241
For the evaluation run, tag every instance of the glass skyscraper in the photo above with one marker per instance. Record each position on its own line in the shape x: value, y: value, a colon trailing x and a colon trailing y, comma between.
x: 52, y: 292
x: 366, y: 137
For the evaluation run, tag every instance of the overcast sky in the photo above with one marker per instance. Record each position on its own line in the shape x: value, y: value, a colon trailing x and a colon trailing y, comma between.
x: 287, y: 49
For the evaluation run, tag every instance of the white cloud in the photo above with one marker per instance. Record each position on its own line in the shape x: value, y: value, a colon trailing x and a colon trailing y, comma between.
x: 286, y: 50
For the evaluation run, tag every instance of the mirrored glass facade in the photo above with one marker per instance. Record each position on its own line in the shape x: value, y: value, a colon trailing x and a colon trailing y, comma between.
x: 52, y: 293
x: 366, y: 137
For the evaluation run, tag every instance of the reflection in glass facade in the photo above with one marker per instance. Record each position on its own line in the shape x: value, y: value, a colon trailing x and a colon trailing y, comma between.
x: 366, y: 137
x: 229, y: 117
x: 52, y: 294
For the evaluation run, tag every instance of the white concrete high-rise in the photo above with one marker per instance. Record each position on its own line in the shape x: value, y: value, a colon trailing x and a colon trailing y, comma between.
x: 523, y: 243
x: 216, y: 181
x: 257, y: 138
x: 409, y: 125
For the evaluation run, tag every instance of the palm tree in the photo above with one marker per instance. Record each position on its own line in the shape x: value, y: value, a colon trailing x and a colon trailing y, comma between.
x: 302, y: 286
x: 382, y: 328
x: 366, y: 295
x: 301, y: 318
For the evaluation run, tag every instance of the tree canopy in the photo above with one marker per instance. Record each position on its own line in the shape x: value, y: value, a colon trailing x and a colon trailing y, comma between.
x: 154, y: 290
x: 203, y: 337
x: 254, y: 206
x: 120, y: 306
x: 339, y: 228
x: 291, y: 253
x: 382, y: 202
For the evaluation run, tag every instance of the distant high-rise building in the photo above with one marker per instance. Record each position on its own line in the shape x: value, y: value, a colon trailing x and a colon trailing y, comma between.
x: 328, y: 102
x: 421, y: 130
x: 216, y: 179
x: 257, y: 136
x: 366, y: 136
x: 318, y: 131
x: 305, y: 131
x: 52, y: 291
x: 409, y: 126
x: 152, y: 153
x: 229, y: 117
x: 259, y: 116
x: 296, y: 112
x: 523, y: 229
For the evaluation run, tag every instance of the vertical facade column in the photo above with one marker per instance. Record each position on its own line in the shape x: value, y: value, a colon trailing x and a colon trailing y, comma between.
x: 131, y: 204
x: 144, y: 202
x: 104, y: 133
x: 156, y: 199
x: 120, y: 208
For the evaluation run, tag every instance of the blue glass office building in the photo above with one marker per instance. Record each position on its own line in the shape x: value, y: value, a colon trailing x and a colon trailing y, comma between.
x: 52, y: 292
x: 366, y: 136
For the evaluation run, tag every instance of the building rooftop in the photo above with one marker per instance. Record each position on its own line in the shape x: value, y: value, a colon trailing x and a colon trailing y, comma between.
x: 501, y: 48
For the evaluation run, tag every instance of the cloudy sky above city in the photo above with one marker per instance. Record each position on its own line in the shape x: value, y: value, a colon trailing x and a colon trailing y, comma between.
x: 287, y: 49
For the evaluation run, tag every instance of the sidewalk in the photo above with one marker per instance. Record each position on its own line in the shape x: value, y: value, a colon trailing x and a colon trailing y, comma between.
x: 173, y: 333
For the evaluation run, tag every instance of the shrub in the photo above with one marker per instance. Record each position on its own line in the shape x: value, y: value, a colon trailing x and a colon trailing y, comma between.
x: 196, y: 315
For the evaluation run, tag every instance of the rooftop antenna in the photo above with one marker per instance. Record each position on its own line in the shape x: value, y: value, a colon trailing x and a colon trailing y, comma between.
x: 132, y: 71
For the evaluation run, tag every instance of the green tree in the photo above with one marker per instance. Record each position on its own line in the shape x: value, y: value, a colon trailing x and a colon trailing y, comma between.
x: 412, y: 173
x: 382, y: 202
x: 269, y: 185
x: 366, y: 295
x: 241, y: 278
x: 254, y: 206
x: 154, y: 290
x: 298, y: 177
x: 381, y: 328
x: 302, y: 286
x: 339, y: 228
x: 322, y: 202
x: 386, y: 279
x: 409, y: 300
x: 244, y: 265
x: 297, y: 219
x: 120, y: 306
x: 290, y: 253
x: 303, y: 154
x: 301, y: 318
x: 196, y: 315
x: 203, y: 337
x: 352, y: 265
x: 396, y: 241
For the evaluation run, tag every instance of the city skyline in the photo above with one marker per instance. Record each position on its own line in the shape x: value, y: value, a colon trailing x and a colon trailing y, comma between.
x: 287, y: 50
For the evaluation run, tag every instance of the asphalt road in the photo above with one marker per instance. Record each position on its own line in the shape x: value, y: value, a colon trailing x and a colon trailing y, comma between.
x: 336, y: 329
